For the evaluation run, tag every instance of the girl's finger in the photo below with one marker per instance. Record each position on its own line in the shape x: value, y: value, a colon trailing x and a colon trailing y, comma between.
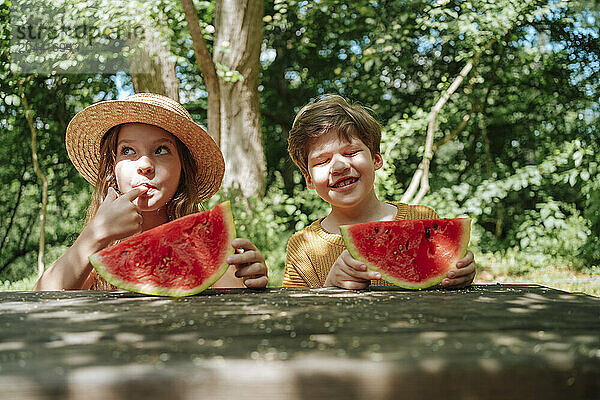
x: 111, y: 195
x: 466, y: 260
x: 243, y: 244
x: 458, y: 283
x: 135, y: 193
x: 467, y: 270
x: 246, y: 257
x: 251, y: 270
x: 259, y: 282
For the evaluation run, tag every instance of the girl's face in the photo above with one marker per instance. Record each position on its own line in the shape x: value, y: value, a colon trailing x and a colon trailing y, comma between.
x: 147, y: 156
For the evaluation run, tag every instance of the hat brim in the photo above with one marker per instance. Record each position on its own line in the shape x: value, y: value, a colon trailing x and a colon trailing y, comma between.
x: 86, y: 130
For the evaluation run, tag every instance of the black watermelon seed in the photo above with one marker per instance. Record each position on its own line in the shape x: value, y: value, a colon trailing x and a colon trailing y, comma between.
x: 376, y: 229
x: 427, y: 233
x: 435, y: 226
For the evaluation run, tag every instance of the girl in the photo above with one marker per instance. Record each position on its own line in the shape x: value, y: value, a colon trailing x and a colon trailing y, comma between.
x: 149, y: 164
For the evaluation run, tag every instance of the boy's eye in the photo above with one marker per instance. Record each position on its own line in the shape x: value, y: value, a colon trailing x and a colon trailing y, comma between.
x: 162, y: 150
x: 126, y: 151
x: 351, y: 153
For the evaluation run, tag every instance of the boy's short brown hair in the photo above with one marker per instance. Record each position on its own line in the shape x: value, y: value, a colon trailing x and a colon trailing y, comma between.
x: 331, y: 112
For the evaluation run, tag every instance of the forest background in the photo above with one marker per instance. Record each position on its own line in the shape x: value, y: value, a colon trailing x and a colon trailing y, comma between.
x: 489, y: 109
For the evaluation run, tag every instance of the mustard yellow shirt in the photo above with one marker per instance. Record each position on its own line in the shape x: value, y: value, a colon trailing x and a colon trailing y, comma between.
x: 312, y: 251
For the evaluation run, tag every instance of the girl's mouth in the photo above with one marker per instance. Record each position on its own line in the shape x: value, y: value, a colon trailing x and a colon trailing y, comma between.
x: 150, y: 189
x: 344, y: 182
x: 146, y: 185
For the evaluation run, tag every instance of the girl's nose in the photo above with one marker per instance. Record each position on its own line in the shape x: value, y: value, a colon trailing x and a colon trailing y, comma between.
x: 144, y: 165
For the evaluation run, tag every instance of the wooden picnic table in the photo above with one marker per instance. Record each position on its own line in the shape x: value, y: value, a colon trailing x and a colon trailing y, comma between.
x: 484, y: 342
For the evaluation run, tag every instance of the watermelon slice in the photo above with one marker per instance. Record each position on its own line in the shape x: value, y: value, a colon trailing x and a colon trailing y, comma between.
x: 179, y: 258
x: 413, y: 254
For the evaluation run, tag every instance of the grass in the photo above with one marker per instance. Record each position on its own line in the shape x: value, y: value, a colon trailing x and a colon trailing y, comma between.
x: 17, y: 286
x: 562, y: 277
x: 555, y: 277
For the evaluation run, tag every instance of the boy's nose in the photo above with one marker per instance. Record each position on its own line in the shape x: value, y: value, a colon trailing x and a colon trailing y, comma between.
x: 144, y: 165
x: 339, y: 165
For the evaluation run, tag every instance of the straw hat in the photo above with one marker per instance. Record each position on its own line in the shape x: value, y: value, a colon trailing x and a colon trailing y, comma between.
x: 86, y: 129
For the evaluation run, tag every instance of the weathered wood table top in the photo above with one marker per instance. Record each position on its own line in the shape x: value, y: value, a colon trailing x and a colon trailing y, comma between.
x: 485, y: 342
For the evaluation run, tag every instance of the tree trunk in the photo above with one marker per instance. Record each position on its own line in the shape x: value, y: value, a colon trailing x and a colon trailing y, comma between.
x: 42, y: 178
x: 238, y: 41
x: 151, y: 69
x: 233, y: 106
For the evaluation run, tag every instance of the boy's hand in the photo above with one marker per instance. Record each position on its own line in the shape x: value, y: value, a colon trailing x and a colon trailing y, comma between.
x: 249, y: 263
x: 349, y: 273
x: 463, y: 275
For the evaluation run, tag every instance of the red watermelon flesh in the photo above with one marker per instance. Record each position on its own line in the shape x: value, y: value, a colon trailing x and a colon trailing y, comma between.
x: 413, y: 254
x: 179, y: 258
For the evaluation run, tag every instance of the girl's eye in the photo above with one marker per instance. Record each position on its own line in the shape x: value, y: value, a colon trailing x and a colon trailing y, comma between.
x: 351, y: 153
x: 162, y: 150
x: 126, y: 151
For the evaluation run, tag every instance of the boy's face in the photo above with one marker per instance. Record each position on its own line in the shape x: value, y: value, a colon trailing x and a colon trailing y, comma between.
x: 341, y: 172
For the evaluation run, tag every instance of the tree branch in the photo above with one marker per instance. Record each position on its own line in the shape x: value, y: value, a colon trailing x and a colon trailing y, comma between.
x: 208, y: 69
x: 420, y: 179
x: 14, y: 211
x: 453, y: 134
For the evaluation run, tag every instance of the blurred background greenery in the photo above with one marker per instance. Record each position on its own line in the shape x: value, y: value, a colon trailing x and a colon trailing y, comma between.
x: 523, y: 164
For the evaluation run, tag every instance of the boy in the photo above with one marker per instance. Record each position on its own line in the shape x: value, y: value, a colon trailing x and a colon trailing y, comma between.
x: 336, y: 146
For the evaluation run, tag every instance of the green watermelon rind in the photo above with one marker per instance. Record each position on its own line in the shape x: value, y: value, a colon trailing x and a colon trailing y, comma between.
x: 96, y: 261
x: 344, y: 230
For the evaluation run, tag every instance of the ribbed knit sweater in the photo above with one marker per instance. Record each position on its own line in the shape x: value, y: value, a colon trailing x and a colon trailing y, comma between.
x: 312, y: 251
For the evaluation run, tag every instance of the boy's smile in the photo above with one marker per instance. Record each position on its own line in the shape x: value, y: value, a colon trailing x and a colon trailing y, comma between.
x: 344, y: 182
x: 342, y: 172
x: 147, y: 156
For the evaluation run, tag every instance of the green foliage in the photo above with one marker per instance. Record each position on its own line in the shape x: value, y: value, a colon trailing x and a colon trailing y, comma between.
x: 546, y: 230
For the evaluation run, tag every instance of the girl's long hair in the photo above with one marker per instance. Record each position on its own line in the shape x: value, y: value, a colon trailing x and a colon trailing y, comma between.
x: 185, y: 200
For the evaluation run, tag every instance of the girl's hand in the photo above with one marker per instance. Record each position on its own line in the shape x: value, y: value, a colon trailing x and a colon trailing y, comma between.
x: 249, y: 263
x: 463, y: 275
x: 117, y: 217
x: 349, y: 273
